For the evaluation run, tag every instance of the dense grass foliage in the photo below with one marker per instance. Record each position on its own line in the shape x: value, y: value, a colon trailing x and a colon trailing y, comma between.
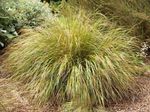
x: 133, y: 14
x: 77, y: 60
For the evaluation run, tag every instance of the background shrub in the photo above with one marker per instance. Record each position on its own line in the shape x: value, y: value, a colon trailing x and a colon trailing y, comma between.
x: 133, y: 14
x: 26, y: 12
x: 16, y: 14
x: 7, y: 28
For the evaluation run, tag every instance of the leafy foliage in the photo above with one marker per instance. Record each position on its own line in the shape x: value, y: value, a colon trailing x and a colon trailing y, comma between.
x: 26, y: 12
x: 7, y: 28
x: 16, y: 14
x: 77, y: 60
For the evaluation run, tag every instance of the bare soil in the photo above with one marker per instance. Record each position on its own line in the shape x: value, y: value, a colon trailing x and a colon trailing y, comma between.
x: 138, y: 104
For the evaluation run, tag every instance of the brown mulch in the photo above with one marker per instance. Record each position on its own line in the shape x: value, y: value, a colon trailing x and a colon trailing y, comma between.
x: 140, y: 103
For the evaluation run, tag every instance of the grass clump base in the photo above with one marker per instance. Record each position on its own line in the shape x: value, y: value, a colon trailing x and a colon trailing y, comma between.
x: 75, y: 59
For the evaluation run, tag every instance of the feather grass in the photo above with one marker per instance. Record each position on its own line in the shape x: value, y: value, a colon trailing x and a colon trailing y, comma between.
x: 75, y: 59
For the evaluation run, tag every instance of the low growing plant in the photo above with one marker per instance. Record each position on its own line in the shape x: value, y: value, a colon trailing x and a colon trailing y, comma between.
x: 78, y: 61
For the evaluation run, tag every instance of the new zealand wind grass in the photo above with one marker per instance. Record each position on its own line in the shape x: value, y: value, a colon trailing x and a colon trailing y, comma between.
x: 75, y: 59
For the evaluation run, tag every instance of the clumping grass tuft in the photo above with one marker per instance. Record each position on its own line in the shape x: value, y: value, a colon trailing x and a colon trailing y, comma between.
x: 76, y: 60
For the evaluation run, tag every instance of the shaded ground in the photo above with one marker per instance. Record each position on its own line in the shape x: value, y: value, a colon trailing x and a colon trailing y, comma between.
x: 10, y: 92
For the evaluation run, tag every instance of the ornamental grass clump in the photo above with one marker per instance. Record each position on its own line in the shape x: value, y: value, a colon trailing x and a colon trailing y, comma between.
x: 78, y: 61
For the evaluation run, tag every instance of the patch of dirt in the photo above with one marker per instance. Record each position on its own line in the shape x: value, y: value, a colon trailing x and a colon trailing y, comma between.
x: 139, y: 104
x: 14, y: 99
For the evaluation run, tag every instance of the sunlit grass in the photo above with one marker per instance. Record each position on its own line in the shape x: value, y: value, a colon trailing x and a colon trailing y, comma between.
x: 77, y: 59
